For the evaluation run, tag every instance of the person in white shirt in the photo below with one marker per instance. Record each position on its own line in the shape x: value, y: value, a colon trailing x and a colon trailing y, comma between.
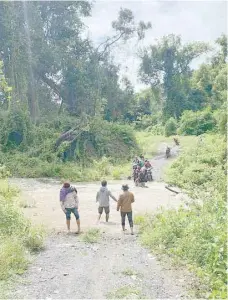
x: 103, y: 198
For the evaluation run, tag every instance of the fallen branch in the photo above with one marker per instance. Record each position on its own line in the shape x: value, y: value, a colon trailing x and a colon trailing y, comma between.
x: 168, y: 188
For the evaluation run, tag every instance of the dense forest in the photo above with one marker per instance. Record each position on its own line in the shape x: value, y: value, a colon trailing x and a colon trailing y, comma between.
x: 63, y: 103
x: 62, y: 98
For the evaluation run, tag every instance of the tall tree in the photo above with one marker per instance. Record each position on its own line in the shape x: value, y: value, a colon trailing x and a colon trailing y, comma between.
x: 167, y: 64
x: 44, y: 53
x: 211, y: 79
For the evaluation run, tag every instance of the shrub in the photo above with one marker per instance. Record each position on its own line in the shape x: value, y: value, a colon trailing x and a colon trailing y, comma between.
x: 34, y: 238
x: 170, y: 127
x: 145, y: 121
x: 196, y: 123
x: 196, y: 234
x: 221, y: 119
x: 157, y: 129
x: 16, y: 130
x: 13, y: 258
x: 17, y: 235
x: 4, y: 173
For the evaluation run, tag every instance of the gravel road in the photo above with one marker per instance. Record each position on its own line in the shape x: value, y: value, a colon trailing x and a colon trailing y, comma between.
x: 117, y: 266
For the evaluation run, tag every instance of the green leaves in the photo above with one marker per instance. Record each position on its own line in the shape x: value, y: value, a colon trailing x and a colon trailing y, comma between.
x: 196, y: 123
x: 167, y: 64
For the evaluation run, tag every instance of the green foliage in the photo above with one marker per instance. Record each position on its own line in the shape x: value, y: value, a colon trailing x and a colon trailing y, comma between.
x: 5, y: 90
x: 4, y: 173
x: 16, y: 130
x: 167, y: 64
x: 221, y: 119
x: 34, y: 238
x: 13, y: 259
x: 88, y: 77
x: 196, y: 234
x: 98, y: 148
x: 17, y: 235
x: 196, y: 123
x: 170, y: 127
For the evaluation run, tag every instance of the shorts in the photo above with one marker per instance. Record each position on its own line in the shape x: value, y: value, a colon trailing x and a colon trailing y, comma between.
x: 73, y: 210
x: 106, y: 209
x: 129, y: 216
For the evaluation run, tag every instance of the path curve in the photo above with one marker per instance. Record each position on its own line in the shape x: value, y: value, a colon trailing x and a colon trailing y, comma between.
x: 68, y: 268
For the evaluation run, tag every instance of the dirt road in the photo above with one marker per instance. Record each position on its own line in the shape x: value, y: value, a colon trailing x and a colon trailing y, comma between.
x: 115, y: 267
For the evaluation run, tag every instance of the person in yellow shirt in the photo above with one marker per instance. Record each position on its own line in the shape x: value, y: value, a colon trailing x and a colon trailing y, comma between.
x: 125, y: 207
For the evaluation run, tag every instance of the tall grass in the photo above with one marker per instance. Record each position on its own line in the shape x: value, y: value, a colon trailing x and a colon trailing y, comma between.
x: 18, y: 237
x: 97, y: 169
x: 196, y: 235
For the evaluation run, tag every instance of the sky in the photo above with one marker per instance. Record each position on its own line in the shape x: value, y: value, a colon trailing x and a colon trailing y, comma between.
x: 193, y: 20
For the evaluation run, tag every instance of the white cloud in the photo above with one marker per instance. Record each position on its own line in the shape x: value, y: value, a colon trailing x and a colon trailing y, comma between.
x: 193, y: 20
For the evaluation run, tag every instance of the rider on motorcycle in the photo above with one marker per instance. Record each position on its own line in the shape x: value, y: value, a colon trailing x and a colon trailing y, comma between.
x: 147, y: 164
x: 136, y: 160
x: 176, y: 141
x: 136, y: 173
x: 167, y: 152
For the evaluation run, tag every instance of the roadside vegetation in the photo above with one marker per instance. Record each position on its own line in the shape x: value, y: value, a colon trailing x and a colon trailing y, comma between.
x: 91, y: 236
x: 19, y: 239
x: 195, y: 233
x: 126, y: 292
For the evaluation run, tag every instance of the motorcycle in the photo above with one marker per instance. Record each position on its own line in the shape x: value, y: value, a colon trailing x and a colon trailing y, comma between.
x: 168, y: 152
x: 149, y: 176
x: 176, y: 142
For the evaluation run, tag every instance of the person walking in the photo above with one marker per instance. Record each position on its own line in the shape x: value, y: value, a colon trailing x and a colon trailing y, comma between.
x: 103, y: 198
x: 69, y: 204
x: 125, y: 207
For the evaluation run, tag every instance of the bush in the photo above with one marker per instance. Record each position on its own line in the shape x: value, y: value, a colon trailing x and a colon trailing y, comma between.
x: 13, y: 258
x: 4, y: 173
x: 170, y: 127
x: 195, y: 234
x: 221, y: 119
x: 145, y: 121
x: 34, y: 238
x: 102, y: 139
x: 196, y: 123
x: 16, y: 130
x: 18, y: 237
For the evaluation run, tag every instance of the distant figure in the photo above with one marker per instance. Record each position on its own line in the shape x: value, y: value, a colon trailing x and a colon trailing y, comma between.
x: 69, y: 203
x: 176, y: 141
x: 124, y: 205
x: 142, y: 179
x: 136, y: 175
x: 167, y: 152
x: 103, y: 199
x: 135, y: 161
x: 147, y: 164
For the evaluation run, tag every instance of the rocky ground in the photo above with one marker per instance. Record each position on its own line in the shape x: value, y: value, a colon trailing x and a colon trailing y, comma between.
x: 115, y: 266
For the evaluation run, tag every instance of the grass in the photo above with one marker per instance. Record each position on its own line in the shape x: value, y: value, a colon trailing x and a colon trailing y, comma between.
x: 18, y: 237
x: 7, y: 191
x: 73, y: 171
x: 195, y: 236
x: 151, y: 145
x: 129, y: 272
x: 126, y: 292
x: 91, y: 236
